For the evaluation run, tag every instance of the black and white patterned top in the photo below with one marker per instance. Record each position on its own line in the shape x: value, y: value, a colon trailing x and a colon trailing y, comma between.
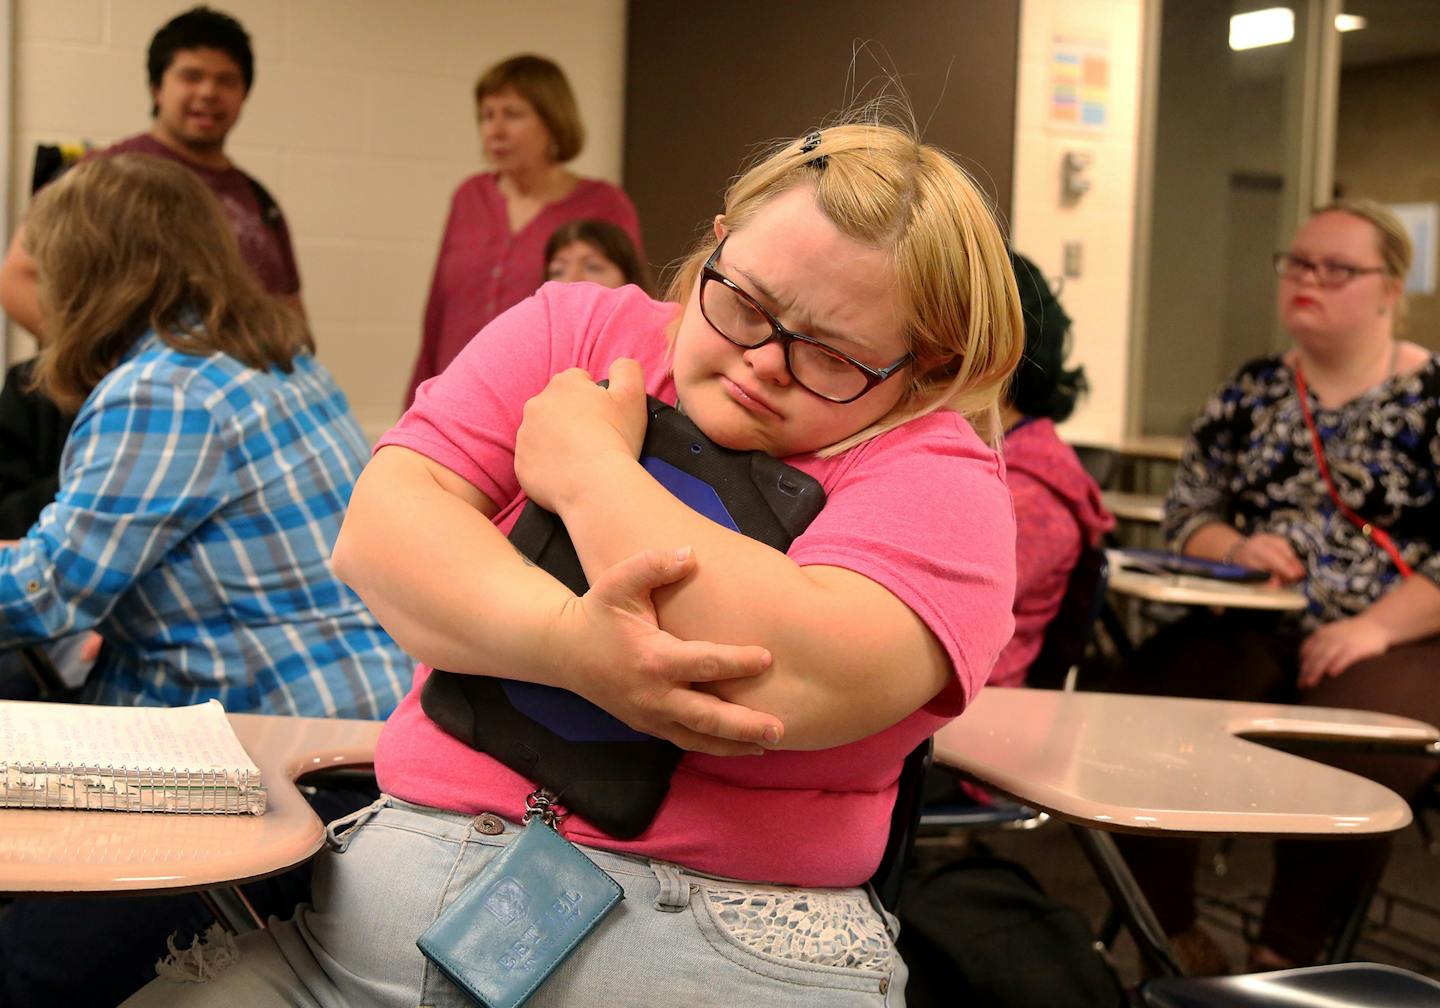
x: 1250, y: 463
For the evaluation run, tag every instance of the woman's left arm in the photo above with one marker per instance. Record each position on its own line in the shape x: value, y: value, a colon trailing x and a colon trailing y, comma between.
x: 145, y: 464
x: 850, y: 658
x: 1410, y: 611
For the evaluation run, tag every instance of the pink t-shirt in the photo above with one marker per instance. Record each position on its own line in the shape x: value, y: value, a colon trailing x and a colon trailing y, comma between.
x: 921, y: 510
x: 484, y: 268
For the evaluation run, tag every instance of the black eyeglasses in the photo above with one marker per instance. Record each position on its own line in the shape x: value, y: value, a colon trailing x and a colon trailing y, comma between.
x: 817, y: 368
x: 1327, y: 272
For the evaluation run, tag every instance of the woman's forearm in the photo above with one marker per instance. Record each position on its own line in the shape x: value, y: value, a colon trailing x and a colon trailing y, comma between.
x: 1213, y: 541
x: 418, y: 546
x: 849, y: 657
x: 1408, y: 612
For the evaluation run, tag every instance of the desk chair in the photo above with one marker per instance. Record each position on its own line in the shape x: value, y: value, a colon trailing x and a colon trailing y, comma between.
x: 1100, y: 463
x: 1056, y: 666
x: 904, y: 825
x: 1425, y: 803
x: 1071, y: 630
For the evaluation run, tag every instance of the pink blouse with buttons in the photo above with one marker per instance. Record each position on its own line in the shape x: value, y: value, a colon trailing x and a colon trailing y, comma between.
x: 483, y: 268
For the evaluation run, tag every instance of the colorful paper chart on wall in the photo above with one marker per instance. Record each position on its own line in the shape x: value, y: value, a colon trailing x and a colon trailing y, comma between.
x: 1079, y: 84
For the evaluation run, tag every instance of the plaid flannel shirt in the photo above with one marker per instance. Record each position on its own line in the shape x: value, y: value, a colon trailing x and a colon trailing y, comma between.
x: 199, y: 501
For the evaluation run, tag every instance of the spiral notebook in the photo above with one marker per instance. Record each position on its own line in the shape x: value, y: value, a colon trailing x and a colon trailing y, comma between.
x: 125, y: 759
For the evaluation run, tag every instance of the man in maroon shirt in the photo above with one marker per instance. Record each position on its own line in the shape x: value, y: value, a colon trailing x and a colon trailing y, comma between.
x: 201, y: 69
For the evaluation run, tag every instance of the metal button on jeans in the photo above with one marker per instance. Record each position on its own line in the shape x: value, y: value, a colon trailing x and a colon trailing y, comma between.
x: 489, y: 824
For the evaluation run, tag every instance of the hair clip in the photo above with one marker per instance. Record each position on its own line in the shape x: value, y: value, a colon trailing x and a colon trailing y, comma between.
x: 811, y: 141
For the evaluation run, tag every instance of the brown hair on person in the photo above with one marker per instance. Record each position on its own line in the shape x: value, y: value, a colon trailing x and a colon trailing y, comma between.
x: 542, y: 83
x: 131, y: 243
x: 610, y: 240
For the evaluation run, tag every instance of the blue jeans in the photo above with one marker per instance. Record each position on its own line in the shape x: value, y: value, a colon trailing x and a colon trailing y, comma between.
x: 677, y: 937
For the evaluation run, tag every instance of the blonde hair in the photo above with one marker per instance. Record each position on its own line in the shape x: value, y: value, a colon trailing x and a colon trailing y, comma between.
x: 1392, y: 241
x: 883, y: 188
x: 133, y: 242
x: 542, y: 83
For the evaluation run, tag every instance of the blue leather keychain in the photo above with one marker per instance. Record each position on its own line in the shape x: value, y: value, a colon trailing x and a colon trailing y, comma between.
x: 521, y: 916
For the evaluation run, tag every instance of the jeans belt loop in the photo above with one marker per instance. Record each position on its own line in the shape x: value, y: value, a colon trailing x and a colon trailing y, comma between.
x: 674, y: 893
x: 339, y: 832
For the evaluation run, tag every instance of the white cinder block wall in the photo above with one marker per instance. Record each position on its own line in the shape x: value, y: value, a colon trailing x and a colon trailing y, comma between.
x: 1103, y: 219
x: 361, y: 122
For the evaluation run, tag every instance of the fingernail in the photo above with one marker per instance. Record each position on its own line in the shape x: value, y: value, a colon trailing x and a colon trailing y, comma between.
x: 772, y: 734
x: 683, y: 553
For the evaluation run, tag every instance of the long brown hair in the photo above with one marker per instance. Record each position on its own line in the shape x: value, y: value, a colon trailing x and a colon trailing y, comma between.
x: 130, y: 243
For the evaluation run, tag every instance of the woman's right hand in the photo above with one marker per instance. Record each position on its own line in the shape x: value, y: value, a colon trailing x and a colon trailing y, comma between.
x: 615, y: 655
x: 1268, y: 552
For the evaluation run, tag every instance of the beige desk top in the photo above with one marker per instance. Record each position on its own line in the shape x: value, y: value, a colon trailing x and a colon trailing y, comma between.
x: 1118, y: 762
x: 1158, y: 446
x: 1179, y: 589
x: 1135, y: 764
x: 1149, y: 508
x: 57, y: 851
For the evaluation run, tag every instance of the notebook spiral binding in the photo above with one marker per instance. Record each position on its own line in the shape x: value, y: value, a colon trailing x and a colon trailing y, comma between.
x: 118, y: 789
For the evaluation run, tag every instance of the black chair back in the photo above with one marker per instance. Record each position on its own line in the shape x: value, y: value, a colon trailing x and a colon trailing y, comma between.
x: 1100, y: 463
x: 904, y: 824
x: 1069, y: 633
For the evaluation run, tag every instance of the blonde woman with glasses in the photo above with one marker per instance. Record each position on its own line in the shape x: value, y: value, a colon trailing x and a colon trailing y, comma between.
x: 852, y: 311
x: 1317, y: 465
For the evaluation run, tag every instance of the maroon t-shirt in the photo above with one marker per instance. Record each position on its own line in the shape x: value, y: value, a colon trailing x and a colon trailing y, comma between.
x: 260, y: 229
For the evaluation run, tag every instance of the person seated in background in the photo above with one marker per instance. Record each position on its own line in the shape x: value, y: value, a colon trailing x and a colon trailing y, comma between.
x: 1317, y: 465
x: 32, y: 434
x: 490, y: 255
x: 201, y: 69
x: 1058, y: 512
x: 201, y: 489
x: 833, y: 660
x: 597, y: 251
x: 207, y: 470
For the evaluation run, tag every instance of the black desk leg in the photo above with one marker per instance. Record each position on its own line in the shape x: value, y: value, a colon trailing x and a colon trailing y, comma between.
x: 1127, y: 899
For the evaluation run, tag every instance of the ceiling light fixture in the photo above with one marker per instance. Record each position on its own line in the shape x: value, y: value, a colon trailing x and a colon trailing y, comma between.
x: 1275, y: 26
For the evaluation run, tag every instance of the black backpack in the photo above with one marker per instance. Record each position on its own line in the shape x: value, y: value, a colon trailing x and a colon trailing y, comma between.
x: 981, y: 932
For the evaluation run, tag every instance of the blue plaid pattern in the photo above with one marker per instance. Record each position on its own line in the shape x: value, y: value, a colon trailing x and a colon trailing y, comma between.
x: 199, y: 501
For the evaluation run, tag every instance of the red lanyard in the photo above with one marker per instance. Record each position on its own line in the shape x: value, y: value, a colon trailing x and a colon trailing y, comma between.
x: 1378, y: 536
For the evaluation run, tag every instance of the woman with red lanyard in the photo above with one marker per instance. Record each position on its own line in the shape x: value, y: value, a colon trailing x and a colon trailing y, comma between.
x: 1318, y: 465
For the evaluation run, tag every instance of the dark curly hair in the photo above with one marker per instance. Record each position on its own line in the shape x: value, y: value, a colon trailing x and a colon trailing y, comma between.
x: 200, y: 28
x: 1043, y: 386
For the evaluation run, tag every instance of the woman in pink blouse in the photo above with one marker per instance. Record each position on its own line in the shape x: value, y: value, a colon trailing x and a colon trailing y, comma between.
x: 492, y: 254
x: 1058, y: 511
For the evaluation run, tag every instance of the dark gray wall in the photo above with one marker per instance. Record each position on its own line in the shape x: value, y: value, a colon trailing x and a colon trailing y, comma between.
x: 706, y: 83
